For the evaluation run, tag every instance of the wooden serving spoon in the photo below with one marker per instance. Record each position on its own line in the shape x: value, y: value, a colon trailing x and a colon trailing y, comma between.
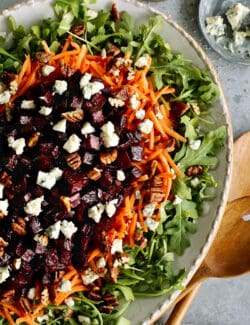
x: 240, y: 187
x: 228, y: 256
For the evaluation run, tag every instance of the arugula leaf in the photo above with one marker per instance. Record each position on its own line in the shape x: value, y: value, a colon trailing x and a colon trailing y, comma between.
x: 205, y: 155
x: 148, y: 34
x: 185, y: 214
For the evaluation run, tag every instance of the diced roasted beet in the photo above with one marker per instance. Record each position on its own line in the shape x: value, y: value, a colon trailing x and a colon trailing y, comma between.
x: 20, y: 185
x: 46, y: 147
x: 26, y: 267
x: 64, y: 243
x: 90, y: 198
x: 115, y: 188
x: 46, y: 98
x: 65, y: 257
x: 121, y: 125
x: 76, y: 102
x: 88, y: 158
x: 136, y: 153
x: 92, y: 142
x: 35, y: 225
x: 134, y: 136
x: 39, y: 248
x: 47, y: 278
x: 104, y: 196
x: 43, y: 162
x: 20, y: 248
x: 52, y: 260
x: 75, y: 181
x: 136, y: 172
x: 123, y: 160
x: 37, y: 191
x: 97, y: 117
x: 4, y: 259
x: 75, y: 200
x: 28, y: 255
x: 97, y: 102
x: 106, y: 179
x: 60, y: 215
x: 27, y: 129
x: 25, y: 163
x: 81, y: 244
x: 10, y: 161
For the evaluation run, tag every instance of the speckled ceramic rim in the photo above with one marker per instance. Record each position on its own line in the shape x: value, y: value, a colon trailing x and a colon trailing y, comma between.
x: 163, y: 308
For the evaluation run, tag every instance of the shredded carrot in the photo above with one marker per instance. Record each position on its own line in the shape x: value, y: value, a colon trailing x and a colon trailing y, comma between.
x: 8, y: 316
x: 26, y: 68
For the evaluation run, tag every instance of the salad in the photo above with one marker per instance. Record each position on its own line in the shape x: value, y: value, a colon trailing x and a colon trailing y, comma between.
x: 105, y: 166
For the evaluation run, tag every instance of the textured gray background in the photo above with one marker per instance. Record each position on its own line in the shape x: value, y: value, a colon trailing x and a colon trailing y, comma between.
x: 219, y: 302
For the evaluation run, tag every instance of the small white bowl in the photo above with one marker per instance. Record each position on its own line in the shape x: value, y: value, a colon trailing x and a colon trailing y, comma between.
x: 210, y: 8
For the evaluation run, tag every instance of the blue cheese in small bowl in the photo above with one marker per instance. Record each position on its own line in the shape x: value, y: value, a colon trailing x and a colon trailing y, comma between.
x: 236, y: 15
x: 215, y: 26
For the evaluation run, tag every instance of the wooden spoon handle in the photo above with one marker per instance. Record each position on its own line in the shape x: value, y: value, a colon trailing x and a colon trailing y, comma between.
x: 181, y: 308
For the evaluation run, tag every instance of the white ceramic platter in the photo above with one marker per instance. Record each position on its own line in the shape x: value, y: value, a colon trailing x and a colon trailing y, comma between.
x: 146, y: 311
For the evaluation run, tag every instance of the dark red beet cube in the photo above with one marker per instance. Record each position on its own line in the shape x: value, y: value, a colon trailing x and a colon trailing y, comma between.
x: 90, y: 198
x: 136, y: 153
x: 92, y: 142
x: 124, y: 160
x: 75, y: 200
x: 76, y: 182
x: 28, y: 255
x: 88, y: 158
x: 97, y: 118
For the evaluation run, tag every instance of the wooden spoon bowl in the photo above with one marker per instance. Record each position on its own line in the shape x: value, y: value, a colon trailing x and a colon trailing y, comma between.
x: 231, y: 236
x: 228, y: 256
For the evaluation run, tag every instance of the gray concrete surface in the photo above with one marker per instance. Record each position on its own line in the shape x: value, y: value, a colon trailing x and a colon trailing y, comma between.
x: 219, y: 302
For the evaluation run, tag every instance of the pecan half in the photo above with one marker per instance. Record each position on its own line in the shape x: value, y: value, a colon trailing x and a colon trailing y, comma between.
x: 42, y: 239
x: 74, y: 160
x: 112, y: 49
x: 65, y: 200
x: 94, y: 174
x: 78, y: 29
x: 18, y: 229
x: 25, y: 305
x: 5, y: 179
x: 157, y: 195
x: 110, y: 299
x: 194, y: 170
x: 3, y: 244
x: 43, y: 57
x: 32, y: 141
x: 108, y: 157
x: 74, y: 116
x: 66, y: 70
x: 8, y: 296
x: 94, y: 295
x: 114, y: 12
